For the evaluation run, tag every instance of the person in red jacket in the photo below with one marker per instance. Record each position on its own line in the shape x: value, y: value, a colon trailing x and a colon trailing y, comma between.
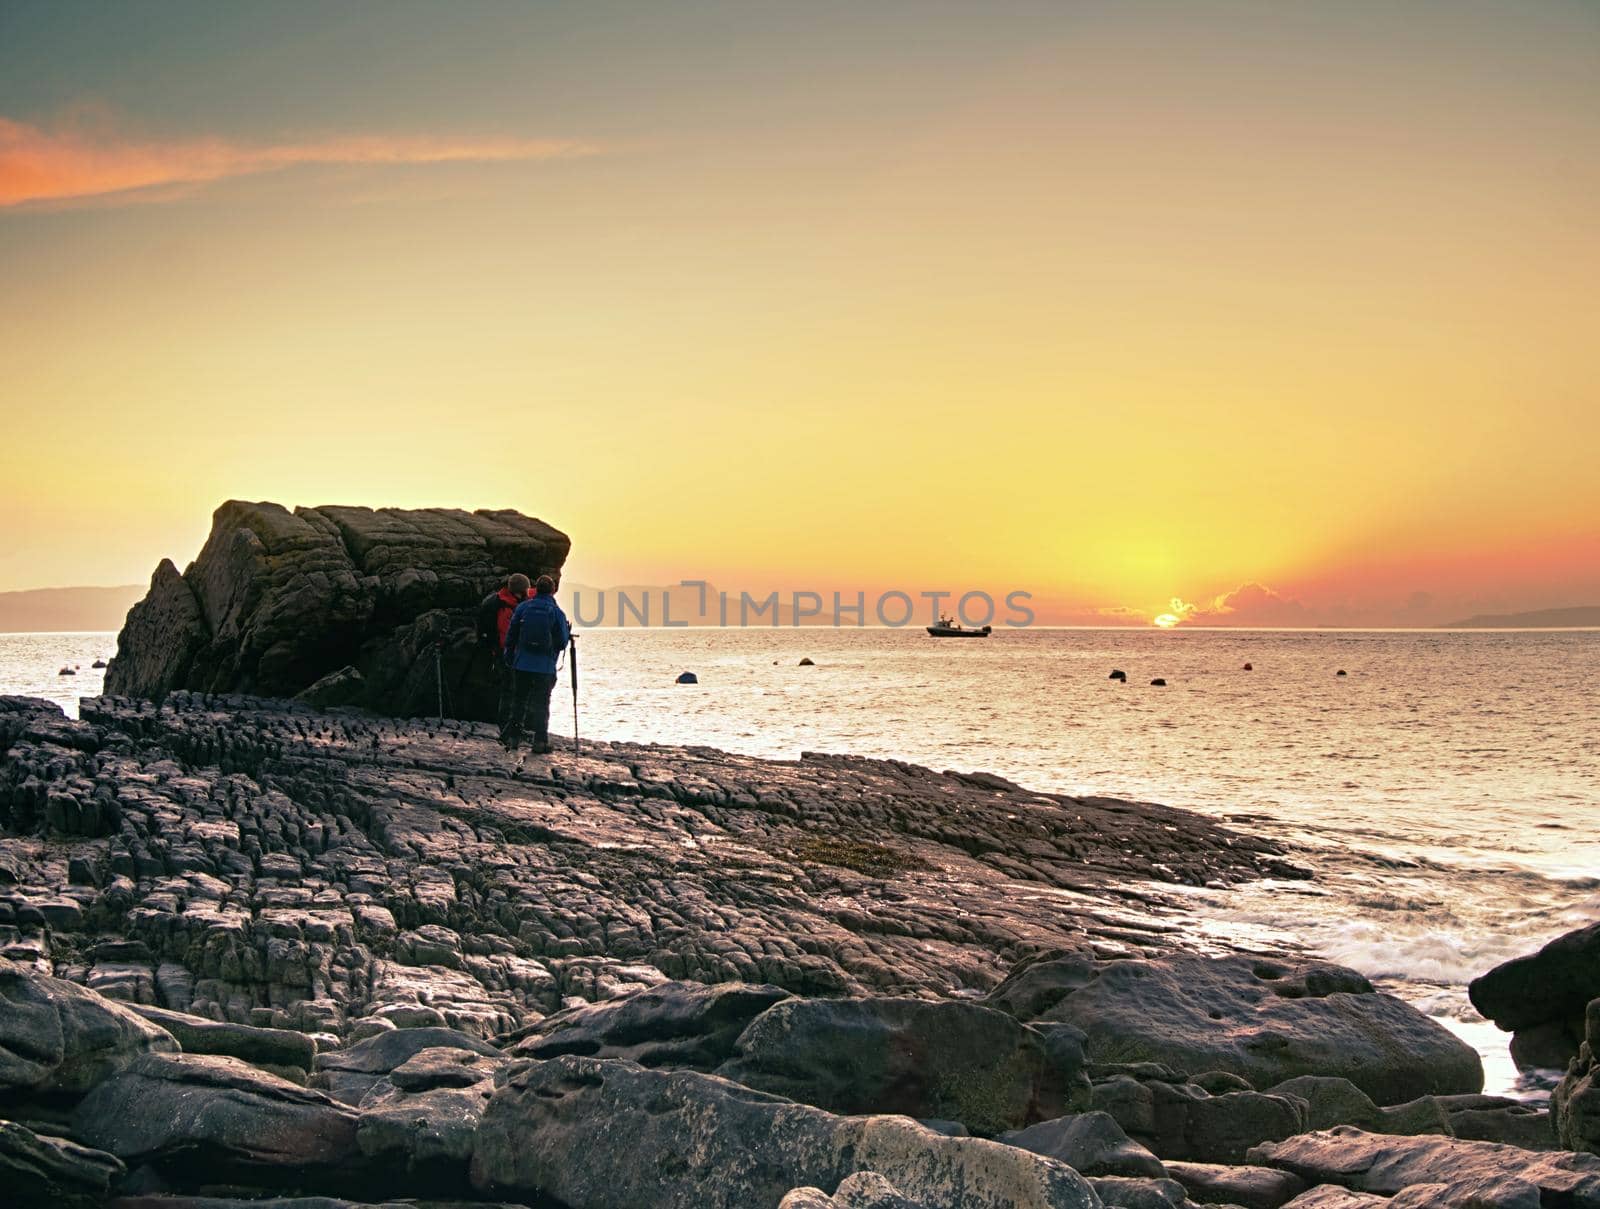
x: 494, y: 617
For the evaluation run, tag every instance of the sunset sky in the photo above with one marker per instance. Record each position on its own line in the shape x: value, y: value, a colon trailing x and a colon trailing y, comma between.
x: 1287, y: 311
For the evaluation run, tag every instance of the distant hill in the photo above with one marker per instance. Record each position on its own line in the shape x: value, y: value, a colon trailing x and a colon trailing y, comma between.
x: 1537, y: 619
x: 44, y: 609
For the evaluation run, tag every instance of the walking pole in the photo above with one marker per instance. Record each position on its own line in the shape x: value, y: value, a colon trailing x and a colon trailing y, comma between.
x: 438, y: 673
x: 572, y: 667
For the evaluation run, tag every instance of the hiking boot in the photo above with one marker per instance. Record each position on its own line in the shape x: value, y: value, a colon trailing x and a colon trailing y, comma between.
x: 541, y: 747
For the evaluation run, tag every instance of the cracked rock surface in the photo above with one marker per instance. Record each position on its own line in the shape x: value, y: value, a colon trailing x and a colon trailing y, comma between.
x: 260, y: 863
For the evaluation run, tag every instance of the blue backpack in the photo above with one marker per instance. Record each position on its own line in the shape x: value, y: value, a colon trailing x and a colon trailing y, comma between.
x: 541, y: 632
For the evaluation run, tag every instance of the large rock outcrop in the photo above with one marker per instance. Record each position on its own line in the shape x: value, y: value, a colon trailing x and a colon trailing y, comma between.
x: 1576, y: 1102
x: 1540, y: 997
x: 346, y: 604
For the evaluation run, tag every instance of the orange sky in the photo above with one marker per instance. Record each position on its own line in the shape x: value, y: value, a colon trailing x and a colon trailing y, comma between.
x: 1115, y: 303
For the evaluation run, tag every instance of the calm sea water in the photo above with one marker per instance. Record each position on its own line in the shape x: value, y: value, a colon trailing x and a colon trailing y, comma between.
x: 1445, y: 789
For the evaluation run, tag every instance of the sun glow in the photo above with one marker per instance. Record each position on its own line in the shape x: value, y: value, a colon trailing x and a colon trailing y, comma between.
x: 1167, y: 620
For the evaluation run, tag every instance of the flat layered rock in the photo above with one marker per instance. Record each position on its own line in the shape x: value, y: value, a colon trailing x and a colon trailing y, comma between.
x: 42, y: 1172
x: 212, y: 1120
x: 1485, y: 1173
x: 58, y: 1040
x: 259, y: 1046
x: 263, y: 864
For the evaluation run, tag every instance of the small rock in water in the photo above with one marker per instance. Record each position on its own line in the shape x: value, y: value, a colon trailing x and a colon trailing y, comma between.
x: 1341, y: 672
x: 806, y: 662
x: 1158, y: 682
x: 1249, y: 667
x: 688, y: 678
x: 1118, y: 674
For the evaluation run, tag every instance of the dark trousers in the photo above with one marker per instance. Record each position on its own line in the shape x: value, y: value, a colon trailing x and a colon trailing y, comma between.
x: 508, y: 687
x: 530, y: 705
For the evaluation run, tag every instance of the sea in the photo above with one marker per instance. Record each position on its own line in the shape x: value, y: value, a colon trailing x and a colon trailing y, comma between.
x: 1445, y: 788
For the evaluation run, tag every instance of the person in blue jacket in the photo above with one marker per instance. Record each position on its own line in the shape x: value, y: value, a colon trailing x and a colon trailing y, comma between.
x: 535, y: 638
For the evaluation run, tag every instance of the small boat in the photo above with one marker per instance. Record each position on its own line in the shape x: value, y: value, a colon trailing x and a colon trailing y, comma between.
x: 68, y: 671
x: 950, y: 628
x: 98, y: 663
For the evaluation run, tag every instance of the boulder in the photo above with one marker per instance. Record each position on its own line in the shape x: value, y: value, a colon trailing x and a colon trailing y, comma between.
x: 1265, y: 1021
x: 201, y: 1119
x: 605, y: 1134
x: 1575, y: 1103
x: 349, y: 1074
x: 347, y: 605
x: 863, y: 1190
x: 1331, y: 1101
x: 57, y: 1040
x: 1248, y: 1187
x: 947, y: 1059
x: 672, y: 1024
x: 271, y: 1047
x: 1540, y: 997
x: 1331, y: 1196
x: 1134, y: 1192
x: 1497, y: 1119
x: 1184, y: 1121
x: 41, y: 1172
x: 1385, y: 1165
x: 1091, y: 1143
x: 418, y: 1124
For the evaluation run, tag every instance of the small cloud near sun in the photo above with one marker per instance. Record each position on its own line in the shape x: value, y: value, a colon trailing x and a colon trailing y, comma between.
x: 1181, y: 611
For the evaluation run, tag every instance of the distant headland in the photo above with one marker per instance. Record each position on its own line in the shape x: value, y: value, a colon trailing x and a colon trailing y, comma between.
x: 1534, y: 619
x: 50, y: 610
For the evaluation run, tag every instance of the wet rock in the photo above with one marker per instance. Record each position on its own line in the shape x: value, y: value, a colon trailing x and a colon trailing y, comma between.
x: 201, y: 1119
x: 674, y: 1024
x: 258, y: 1046
x: 1466, y: 1171
x: 1091, y: 1143
x: 592, y: 1134
x: 1184, y: 1121
x: 42, y: 1172
x: 1541, y: 996
x: 58, y: 1040
x: 1265, y: 1021
x: 277, y: 600
x: 1248, y: 1187
x: 951, y: 1060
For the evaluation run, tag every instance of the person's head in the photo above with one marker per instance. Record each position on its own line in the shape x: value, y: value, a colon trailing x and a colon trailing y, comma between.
x: 518, y: 584
x: 545, y: 586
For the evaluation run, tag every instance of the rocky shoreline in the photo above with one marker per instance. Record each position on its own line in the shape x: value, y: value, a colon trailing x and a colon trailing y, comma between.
x: 255, y: 953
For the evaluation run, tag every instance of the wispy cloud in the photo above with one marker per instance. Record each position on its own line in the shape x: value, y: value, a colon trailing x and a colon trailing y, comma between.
x: 71, y: 162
